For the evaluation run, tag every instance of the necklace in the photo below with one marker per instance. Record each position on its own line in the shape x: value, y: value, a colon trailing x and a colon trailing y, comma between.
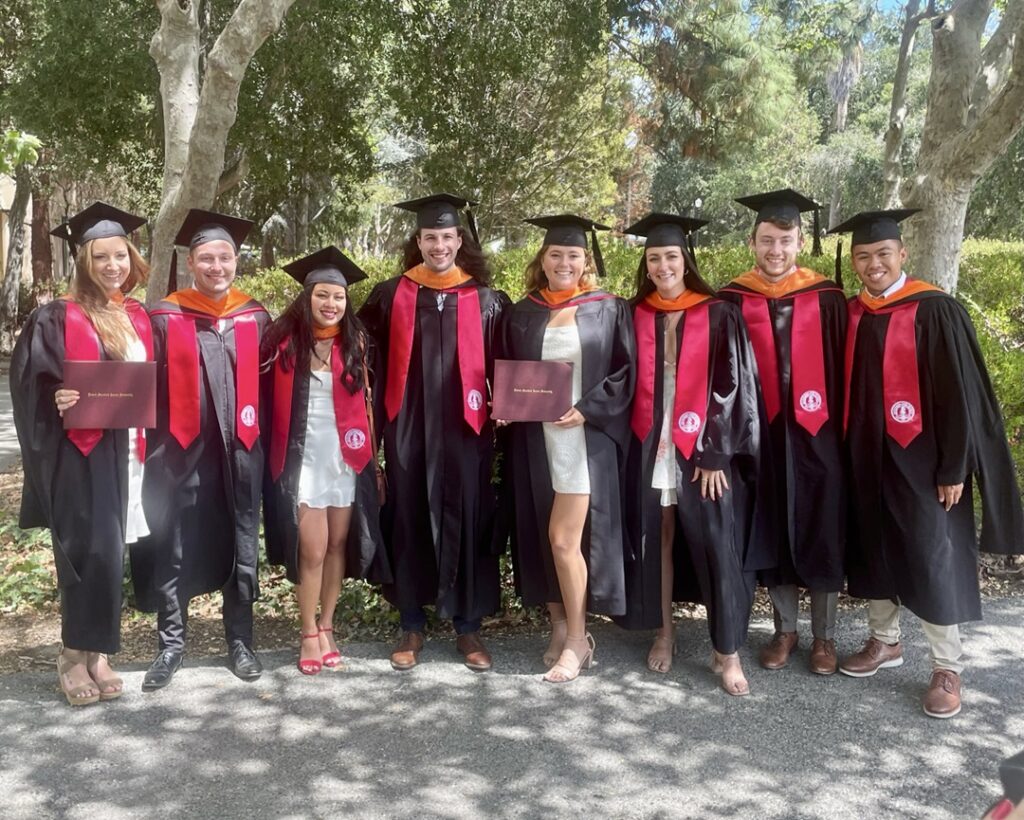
x: 326, y: 362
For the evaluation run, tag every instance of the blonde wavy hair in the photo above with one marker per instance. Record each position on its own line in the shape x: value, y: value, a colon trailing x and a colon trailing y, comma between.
x: 535, y: 278
x: 109, y: 318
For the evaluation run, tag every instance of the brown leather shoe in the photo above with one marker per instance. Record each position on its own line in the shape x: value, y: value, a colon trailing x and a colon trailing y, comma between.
x: 407, y: 653
x: 776, y: 654
x: 473, y: 651
x: 874, y: 655
x: 942, y: 700
x: 823, y: 657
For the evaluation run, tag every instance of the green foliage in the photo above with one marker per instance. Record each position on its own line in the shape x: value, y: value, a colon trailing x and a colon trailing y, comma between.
x: 18, y: 148
x: 26, y: 568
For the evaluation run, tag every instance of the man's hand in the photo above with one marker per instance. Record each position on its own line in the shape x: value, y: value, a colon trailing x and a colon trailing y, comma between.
x: 949, y: 494
x: 713, y: 483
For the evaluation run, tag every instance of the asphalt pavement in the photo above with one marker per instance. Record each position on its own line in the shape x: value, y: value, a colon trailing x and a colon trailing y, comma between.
x: 443, y: 742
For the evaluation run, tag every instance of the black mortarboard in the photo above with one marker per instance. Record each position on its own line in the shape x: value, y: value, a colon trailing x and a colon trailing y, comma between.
x: 662, y: 230
x: 785, y: 204
x: 566, y: 229
x: 201, y: 227
x: 868, y: 227
x: 328, y: 265
x: 666, y: 229
x: 441, y: 211
x: 98, y: 221
x: 874, y: 226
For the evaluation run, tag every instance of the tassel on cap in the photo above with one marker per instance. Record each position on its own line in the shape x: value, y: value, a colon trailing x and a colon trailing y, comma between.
x: 816, y: 248
x: 839, y: 263
x: 598, y: 259
x: 172, y: 276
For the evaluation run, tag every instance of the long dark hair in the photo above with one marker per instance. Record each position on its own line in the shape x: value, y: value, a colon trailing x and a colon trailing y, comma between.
x: 470, y: 256
x: 692, y: 279
x: 296, y: 326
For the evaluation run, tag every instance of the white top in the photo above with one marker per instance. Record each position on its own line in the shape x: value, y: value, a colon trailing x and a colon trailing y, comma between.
x: 566, y: 448
x: 325, y: 479
x: 135, y: 522
x: 895, y: 286
x: 664, y: 475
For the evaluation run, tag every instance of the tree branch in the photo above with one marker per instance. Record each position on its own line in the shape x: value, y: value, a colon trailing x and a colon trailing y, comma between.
x: 995, y: 58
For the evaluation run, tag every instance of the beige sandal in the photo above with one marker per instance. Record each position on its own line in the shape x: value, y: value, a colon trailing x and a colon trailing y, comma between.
x: 734, y: 682
x: 554, y: 652
x: 569, y: 669
x: 662, y: 659
x: 76, y: 695
x: 106, y: 683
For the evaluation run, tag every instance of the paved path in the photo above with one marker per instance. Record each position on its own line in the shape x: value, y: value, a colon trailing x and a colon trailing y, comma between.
x: 9, y: 451
x: 443, y: 742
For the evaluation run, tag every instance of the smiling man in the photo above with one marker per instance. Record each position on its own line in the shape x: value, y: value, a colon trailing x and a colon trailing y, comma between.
x: 204, y: 470
x: 923, y: 423
x: 434, y: 326
x: 797, y: 324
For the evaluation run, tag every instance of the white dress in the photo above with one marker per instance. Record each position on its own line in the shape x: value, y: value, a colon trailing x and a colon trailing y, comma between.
x: 566, y: 448
x: 135, y: 523
x: 664, y: 476
x: 325, y: 479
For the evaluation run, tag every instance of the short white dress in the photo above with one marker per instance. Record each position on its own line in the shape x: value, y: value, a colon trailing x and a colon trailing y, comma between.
x: 566, y: 448
x: 664, y: 475
x: 325, y: 480
x: 135, y: 523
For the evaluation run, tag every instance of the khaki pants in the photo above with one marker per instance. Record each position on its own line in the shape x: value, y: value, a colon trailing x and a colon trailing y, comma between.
x: 786, y: 603
x: 884, y: 624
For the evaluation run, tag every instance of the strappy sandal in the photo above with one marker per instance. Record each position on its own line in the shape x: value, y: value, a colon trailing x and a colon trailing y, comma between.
x: 666, y: 660
x: 76, y: 695
x: 114, y: 683
x: 727, y: 666
x: 332, y: 659
x: 568, y: 670
x: 309, y: 666
x: 551, y: 656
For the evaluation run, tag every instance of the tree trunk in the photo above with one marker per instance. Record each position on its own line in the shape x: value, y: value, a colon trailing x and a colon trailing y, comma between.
x: 42, y: 250
x: 892, y: 168
x: 962, y: 136
x: 199, y: 109
x: 15, y: 256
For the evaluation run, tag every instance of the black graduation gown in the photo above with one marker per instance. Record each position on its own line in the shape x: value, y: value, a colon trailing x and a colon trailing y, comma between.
x: 719, y: 545
x: 438, y: 518
x: 364, y: 550
x: 608, y: 364
x: 202, y: 502
x: 903, y: 545
x: 809, y: 476
x: 82, y: 500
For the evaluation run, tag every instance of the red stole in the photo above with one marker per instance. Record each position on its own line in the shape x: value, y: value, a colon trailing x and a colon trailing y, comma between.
x: 349, y: 415
x: 689, y: 410
x: 82, y: 344
x: 807, y: 353
x: 183, y: 378
x: 901, y: 386
x: 470, y: 346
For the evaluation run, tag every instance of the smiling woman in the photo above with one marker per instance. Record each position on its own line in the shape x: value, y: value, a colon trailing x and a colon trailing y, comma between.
x: 100, y: 469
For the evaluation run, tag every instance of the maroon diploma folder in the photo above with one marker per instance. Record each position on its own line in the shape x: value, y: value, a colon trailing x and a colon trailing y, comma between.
x: 531, y: 390
x: 112, y: 395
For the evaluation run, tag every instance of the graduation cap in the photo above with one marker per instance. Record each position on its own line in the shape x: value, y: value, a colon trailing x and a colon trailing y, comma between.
x: 662, y: 230
x: 785, y: 205
x: 201, y: 227
x: 869, y: 227
x: 566, y: 229
x: 441, y: 211
x: 327, y: 266
x: 98, y: 221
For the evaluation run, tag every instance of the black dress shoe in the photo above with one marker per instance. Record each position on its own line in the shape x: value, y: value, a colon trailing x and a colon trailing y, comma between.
x: 243, y: 661
x: 162, y: 669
